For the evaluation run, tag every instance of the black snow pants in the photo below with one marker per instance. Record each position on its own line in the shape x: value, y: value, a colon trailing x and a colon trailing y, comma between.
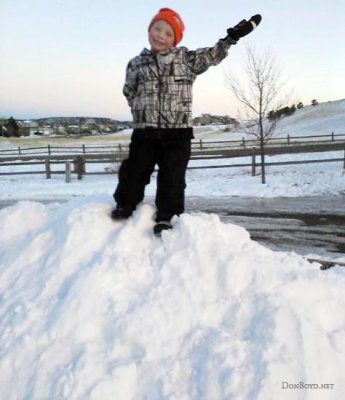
x: 168, y: 149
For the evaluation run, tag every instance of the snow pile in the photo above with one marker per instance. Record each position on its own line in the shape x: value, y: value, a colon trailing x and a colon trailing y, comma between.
x: 93, y: 309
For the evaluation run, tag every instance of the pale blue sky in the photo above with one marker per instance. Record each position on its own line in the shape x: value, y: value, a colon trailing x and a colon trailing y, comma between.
x: 68, y: 57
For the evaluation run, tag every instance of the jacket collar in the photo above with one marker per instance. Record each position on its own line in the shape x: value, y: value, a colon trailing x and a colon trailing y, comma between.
x: 147, y: 52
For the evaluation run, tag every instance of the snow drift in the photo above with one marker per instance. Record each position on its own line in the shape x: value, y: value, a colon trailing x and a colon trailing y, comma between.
x: 93, y: 309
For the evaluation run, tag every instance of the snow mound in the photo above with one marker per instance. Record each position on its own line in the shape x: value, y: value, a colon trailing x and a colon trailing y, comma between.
x: 93, y: 309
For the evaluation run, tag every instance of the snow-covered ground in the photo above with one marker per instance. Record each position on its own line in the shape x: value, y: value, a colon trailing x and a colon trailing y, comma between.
x: 91, y: 309
x: 282, y: 181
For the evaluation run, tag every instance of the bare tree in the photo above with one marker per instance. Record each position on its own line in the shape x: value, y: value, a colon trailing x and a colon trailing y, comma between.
x: 261, y: 92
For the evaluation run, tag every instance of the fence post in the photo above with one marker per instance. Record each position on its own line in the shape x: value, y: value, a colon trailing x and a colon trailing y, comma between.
x: 288, y: 139
x: 49, y: 150
x: 200, y: 144
x: 19, y: 151
x: 83, y: 148
x: 243, y: 142
x: 332, y: 136
x: 48, y: 170
x: 79, y: 166
x: 68, y: 172
x: 253, y: 162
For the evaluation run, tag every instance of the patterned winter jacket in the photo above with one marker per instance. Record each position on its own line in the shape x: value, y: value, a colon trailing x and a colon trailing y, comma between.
x: 158, y: 88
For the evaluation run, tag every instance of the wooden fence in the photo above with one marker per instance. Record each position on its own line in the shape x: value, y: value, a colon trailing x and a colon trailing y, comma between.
x: 289, y: 140
x: 79, y: 161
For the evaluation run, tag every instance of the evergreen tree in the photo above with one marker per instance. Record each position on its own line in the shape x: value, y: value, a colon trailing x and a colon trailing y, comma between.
x: 282, y: 112
x: 12, y: 127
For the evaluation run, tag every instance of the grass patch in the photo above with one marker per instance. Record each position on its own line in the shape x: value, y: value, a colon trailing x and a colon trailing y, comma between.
x: 66, y: 142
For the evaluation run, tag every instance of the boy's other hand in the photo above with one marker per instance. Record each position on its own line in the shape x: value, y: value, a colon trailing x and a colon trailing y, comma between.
x: 244, y: 27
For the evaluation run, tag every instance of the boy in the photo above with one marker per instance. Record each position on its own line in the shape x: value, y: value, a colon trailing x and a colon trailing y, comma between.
x: 158, y: 89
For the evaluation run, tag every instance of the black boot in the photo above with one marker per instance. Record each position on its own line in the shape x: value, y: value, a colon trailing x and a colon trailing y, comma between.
x: 120, y: 213
x: 160, y: 227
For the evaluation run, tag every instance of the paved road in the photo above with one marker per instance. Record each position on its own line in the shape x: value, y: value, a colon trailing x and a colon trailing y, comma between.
x: 306, y: 225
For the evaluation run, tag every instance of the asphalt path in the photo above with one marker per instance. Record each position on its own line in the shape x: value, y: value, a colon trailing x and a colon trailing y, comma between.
x: 306, y: 225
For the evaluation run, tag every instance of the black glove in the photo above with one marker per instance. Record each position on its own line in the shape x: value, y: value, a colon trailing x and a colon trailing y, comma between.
x: 244, y: 27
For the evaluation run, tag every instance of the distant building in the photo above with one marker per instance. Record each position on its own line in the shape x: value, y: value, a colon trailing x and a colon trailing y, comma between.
x: 26, y: 127
x: 208, y: 119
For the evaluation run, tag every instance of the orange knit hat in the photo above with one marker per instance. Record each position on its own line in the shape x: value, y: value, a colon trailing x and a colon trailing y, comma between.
x: 173, y: 19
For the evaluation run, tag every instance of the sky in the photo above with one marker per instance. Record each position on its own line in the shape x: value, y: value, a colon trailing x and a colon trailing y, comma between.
x: 68, y: 57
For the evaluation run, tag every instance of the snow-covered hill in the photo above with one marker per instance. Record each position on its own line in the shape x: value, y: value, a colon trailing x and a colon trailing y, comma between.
x: 322, y: 119
x: 97, y: 310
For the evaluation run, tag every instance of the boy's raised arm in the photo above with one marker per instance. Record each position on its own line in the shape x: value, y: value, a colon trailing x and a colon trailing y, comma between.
x: 201, y: 59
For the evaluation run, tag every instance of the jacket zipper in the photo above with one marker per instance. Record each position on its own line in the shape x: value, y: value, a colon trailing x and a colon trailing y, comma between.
x: 159, y: 92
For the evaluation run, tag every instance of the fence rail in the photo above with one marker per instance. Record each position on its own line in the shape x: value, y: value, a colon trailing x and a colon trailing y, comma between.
x: 289, y: 140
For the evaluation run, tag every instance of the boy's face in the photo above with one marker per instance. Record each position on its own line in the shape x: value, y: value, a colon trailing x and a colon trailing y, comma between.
x: 161, y: 36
